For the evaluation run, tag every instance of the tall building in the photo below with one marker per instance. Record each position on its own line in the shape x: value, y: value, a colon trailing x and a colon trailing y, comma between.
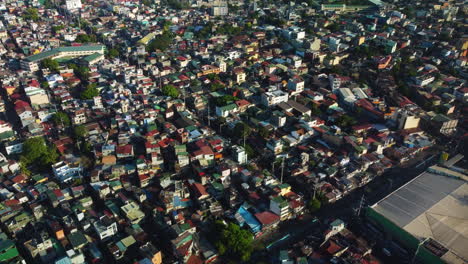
x: 73, y: 4
x: 219, y: 8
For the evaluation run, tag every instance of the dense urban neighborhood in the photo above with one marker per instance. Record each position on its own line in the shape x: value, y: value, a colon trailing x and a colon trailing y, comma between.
x: 222, y: 131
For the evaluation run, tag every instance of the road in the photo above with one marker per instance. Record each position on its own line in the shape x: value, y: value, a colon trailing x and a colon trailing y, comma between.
x: 294, y: 231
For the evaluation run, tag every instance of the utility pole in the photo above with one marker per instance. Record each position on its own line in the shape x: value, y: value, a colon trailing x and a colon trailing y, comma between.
x: 282, y: 170
x: 245, y: 135
x: 273, y: 169
x: 361, y: 203
x: 208, y: 115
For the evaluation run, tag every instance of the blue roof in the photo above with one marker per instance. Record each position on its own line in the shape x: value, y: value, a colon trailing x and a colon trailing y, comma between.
x: 64, y: 260
x: 254, y: 225
x: 179, y: 203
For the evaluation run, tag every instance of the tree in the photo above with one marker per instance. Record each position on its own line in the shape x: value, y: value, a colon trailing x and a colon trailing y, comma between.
x: 242, y: 130
x: 314, y: 205
x: 61, y: 118
x: 216, y: 86
x: 345, y: 121
x: 85, y: 38
x: 81, y: 71
x: 113, y: 53
x: 233, y: 241
x: 212, y: 76
x: 56, y: 29
x: 161, y: 42
x: 315, y: 110
x: 333, y: 27
x: 90, y: 92
x: 80, y: 131
x: 31, y: 14
x: 225, y: 100
x: 177, y: 4
x: 170, y: 90
x: 264, y: 132
x: 195, y: 83
x: 37, y: 153
x: 250, y: 151
x: 50, y: 64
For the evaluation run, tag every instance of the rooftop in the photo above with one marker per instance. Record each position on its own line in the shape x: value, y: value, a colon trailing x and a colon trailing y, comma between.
x: 432, y: 206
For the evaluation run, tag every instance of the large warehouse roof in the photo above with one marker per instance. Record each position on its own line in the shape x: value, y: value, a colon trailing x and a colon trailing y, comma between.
x: 434, y: 206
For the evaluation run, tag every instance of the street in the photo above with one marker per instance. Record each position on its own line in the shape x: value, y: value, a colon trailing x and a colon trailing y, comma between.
x: 295, y: 230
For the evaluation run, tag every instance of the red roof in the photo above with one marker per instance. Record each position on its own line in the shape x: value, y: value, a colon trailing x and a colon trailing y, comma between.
x: 201, y: 190
x: 333, y: 248
x: 20, y: 103
x: 127, y: 149
x: 267, y: 218
x: 242, y: 102
x: 194, y: 259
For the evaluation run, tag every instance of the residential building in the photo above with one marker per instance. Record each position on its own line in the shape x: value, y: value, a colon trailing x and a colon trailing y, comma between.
x: 64, y: 173
x: 274, y: 98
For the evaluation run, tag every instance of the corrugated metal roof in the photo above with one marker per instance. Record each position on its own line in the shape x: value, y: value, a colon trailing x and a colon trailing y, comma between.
x: 432, y: 206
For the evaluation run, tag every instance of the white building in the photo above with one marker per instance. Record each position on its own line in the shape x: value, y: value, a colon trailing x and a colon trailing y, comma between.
x: 105, y: 227
x: 239, y: 154
x: 296, y: 85
x: 274, y: 98
x: 64, y: 173
x: 13, y: 147
x: 219, y: 10
x: 73, y: 4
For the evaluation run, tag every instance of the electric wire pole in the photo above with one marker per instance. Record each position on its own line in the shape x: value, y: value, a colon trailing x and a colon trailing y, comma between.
x: 361, y: 203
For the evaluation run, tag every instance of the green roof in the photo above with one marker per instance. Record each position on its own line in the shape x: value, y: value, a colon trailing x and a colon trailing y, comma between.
x: 92, y: 57
x: 228, y: 107
x: 280, y: 201
x: 10, y: 253
x: 54, y: 52
x: 77, y: 239
x: 440, y: 118
x: 7, y: 134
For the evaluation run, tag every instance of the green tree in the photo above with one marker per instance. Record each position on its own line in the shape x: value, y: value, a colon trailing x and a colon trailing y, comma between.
x: 161, y: 42
x: 80, y: 131
x: 212, y: 76
x: 233, y: 241
x: 81, y: 71
x: 315, y: 110
x: 195, y: 83
x: 216, y: 86
x: 251, y: 153
x: 56, y: 29
x: 314, y: 205
x: 37, y: 153
x: 333, y: 27
x: 90, y: 92
x: 113, y: 53
x: 86, y: 38
x: 50, y: 64
x: 242, y: 130
x: 61, y: 118
x: 170, y: 90
x: 31, y: 14
x: 264, y: 132
x: 345, y: 121
x: 225, y: 100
